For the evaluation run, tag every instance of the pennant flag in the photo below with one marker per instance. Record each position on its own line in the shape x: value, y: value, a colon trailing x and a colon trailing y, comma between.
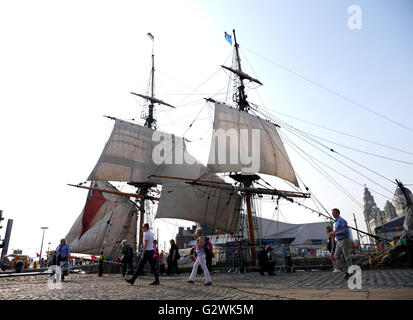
x: 392, y: 243
x: 404, y: 241
x: 151, y: 36
x: 230, y: 252
x: 397, y: 228
x: 228, y: 38
x: 93, y: 258
x: 37, y: 255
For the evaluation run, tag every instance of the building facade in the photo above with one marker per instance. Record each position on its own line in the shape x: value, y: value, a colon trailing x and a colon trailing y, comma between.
x: 389, y: 219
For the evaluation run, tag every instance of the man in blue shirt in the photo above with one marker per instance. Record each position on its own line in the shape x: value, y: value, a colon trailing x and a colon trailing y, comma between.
x: 342, y: 234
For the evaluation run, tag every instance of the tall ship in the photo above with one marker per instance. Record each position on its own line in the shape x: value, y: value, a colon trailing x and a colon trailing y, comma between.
x: 221, y: 196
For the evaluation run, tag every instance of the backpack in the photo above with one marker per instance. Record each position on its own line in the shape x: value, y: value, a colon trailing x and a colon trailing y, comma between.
x: 177, y: 256
x: 206, y: 249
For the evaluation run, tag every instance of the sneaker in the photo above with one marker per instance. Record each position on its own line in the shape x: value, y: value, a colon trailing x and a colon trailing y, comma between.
x: 129, y: 281
x: 155, y: 283
x: 207, y: 283
x: 190, y: 281
x: 336, y: 270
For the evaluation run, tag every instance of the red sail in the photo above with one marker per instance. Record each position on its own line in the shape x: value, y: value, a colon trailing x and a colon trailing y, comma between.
x: 93, y: 202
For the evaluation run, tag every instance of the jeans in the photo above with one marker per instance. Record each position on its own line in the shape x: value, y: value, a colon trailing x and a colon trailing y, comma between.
x: 60, y: 259
x: 343, y: 255
x: 200, y: 260
x: 148, y: 256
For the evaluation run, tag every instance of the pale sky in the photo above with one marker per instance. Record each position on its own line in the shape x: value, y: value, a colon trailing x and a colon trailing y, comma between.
x: 65, y: 64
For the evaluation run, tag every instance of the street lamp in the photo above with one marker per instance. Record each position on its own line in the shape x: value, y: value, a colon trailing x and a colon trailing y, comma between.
x: 41, y: 247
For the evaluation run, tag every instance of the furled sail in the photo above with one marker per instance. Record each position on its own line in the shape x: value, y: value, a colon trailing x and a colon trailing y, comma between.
x: 115, y: 213
x: 211, y: 206
x: 246, y: 143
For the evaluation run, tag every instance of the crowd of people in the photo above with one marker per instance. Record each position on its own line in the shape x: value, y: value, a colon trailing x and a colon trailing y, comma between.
x: 202, y: 253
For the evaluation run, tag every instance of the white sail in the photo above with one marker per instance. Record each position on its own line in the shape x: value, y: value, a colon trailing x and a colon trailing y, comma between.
x: 243, y: 153
x: 127, y: 155
x: 88, y: 236
x: 211, y: 206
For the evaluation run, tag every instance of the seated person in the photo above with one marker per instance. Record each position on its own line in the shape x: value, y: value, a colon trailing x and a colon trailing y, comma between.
x: 266, y: 261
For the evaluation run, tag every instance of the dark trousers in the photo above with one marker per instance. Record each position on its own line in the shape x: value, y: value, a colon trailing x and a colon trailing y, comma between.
x: 127, y: 262
x: 267, y: 266
x: 148, y: 256
x: 172, y: 264
x: 209, y: 262
x: 162, y: 269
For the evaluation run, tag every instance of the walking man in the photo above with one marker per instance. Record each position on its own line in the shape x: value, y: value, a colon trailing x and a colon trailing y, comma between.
x: 342, y: 234
x: 126, y: 259
x: 266, y: 262
x: 147, y: 255
x: 209, y: 255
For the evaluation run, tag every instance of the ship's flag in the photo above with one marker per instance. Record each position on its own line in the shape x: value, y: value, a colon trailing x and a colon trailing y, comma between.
x: 93, y: 202
x: 228, y: 38
x: 150, y: 36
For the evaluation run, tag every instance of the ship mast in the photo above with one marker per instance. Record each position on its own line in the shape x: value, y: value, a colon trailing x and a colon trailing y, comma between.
x: 246, y: 180
x: 150, y: 122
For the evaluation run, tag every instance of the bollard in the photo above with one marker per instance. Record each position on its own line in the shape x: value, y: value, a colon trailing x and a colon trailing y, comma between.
x: 288, y: 260
x: 100, y: 273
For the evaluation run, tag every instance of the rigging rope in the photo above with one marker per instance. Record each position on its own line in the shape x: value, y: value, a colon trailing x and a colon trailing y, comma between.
x: 331, y: 91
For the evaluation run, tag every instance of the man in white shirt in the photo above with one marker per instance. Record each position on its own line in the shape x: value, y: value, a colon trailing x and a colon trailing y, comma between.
x: 147, y: 255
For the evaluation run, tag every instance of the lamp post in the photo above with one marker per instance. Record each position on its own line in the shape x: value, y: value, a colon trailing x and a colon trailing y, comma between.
x: 41, y: 247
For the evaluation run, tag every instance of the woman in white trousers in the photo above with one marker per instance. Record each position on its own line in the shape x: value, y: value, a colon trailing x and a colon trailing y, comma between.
x: 200, y: 259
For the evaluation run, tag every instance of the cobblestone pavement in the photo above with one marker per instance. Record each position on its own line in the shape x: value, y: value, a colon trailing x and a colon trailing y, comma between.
x: 376, y: 284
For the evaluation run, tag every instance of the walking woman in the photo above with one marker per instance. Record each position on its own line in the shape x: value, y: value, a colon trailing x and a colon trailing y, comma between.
x: 200, y: 259
x: 331, y: 246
